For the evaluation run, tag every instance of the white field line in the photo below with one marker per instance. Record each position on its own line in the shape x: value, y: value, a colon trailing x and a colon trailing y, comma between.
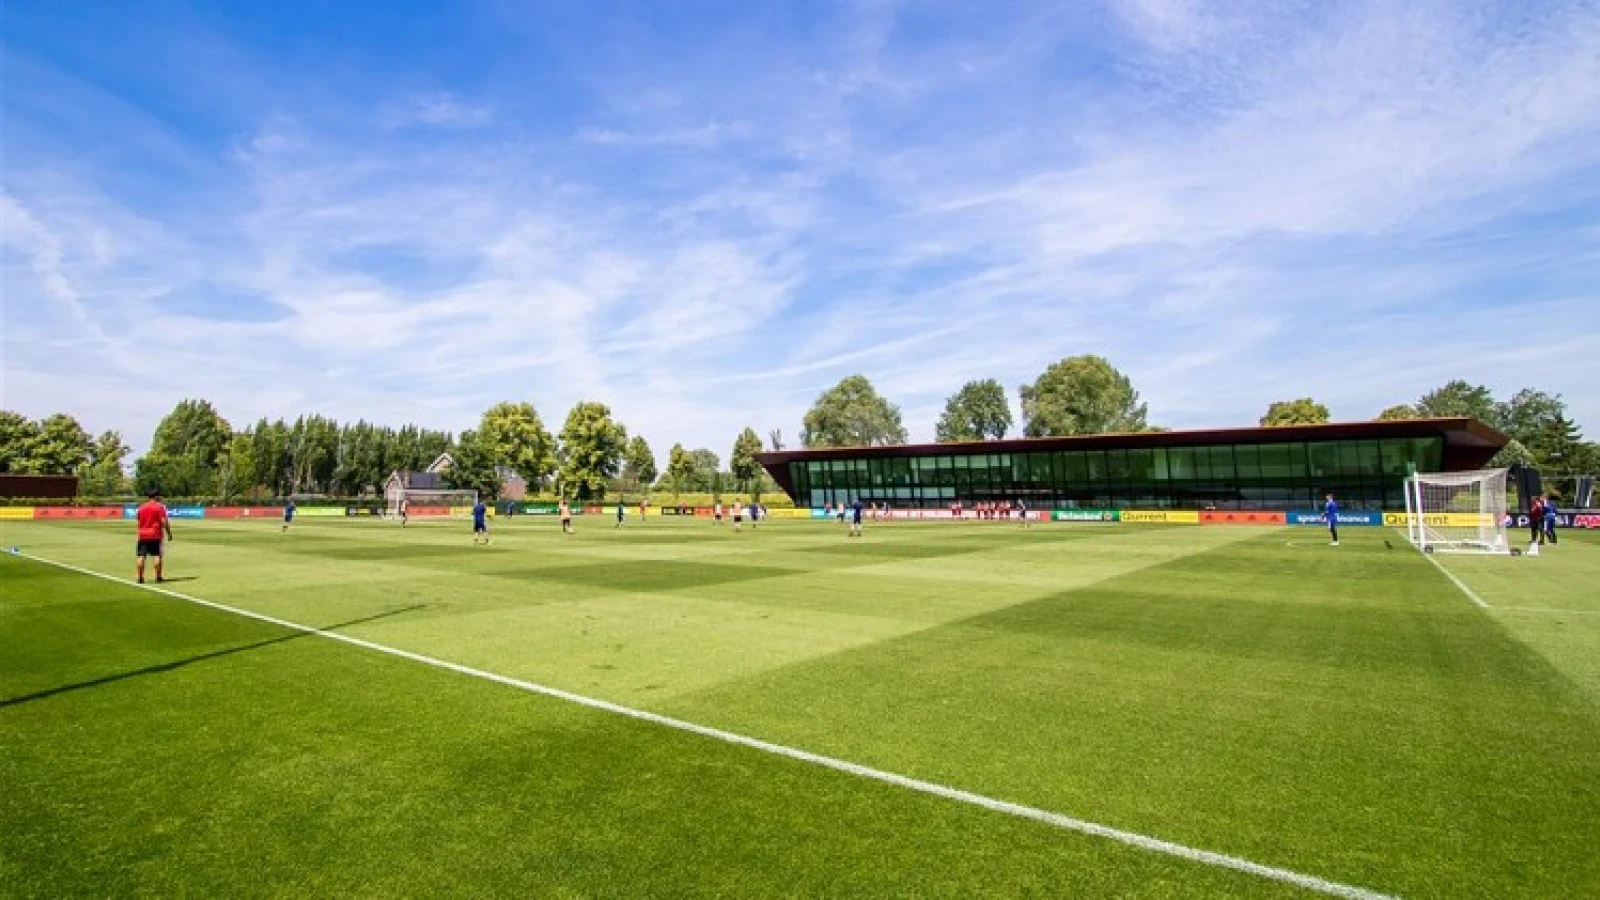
x: 1548, y: 609
x: 1130, y: 838
x: 1471, y: 595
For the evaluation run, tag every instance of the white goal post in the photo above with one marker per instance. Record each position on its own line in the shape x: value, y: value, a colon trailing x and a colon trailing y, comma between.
x: 422, y: 503
x: 1457, y: 512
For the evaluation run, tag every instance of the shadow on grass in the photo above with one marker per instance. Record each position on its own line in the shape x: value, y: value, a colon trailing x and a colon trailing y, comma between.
x: 178, y: 664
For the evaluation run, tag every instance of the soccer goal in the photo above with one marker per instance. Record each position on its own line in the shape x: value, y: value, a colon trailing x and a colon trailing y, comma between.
x: 1457, y: 512
x: 423, y: 504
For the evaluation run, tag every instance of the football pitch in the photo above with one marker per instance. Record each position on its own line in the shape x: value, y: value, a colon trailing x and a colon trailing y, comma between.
x: 929, y: 710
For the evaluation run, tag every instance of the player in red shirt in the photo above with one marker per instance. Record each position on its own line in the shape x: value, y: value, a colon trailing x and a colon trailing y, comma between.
x: 153, y: 525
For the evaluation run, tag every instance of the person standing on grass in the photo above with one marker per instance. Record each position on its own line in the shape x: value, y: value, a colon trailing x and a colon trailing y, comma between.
x: 1536, y: 519
x: 566, y: 516
x: 153, y: 526
x: 1550, y: 512
x: 480, y: 521
x: 622, y: 512
x: 1022, y: 511
x: 855, y: 518
x: 716, y: 513
x: 405, y: 511
x: 644, y: 509
x: 288, y: 514
x: 1330, y: 511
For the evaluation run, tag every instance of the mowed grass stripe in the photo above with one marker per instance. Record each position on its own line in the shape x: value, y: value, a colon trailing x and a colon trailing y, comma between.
x: 1087, y: 828
x: 1337, y: 710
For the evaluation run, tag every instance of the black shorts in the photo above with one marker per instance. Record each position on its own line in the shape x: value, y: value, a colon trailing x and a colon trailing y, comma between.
x: 150, y: 548
x: 480, y: 528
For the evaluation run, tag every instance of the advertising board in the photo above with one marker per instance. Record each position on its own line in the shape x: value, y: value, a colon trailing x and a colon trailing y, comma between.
x: 1086, y: 515
x: 1241, y: 517
x: 78, y: 512
x: 1438, y: 520
x: 16, y: 512
x: 1161, y: 516
x: 1353, y: 518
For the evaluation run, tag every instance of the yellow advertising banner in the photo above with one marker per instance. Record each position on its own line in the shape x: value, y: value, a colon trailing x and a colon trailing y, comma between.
x: 1162, y: 516
x: 1441, y: 520
x: 16, y: 512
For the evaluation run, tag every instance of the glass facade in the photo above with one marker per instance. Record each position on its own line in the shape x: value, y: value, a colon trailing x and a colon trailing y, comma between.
x: 1363, y: 474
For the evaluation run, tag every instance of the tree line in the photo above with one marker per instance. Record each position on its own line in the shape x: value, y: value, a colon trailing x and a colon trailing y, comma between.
x: 196, y: 452
x: 1088, y: 395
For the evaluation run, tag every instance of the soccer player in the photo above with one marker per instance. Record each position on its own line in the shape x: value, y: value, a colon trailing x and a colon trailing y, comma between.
x: 1330, y: 511
x: 855, y: 518
x: 622, y: 512
x: 644, y: 509
x: 480, y: 521
x: 1022, y: 511
x: 716, y: 513
x: 288, y: 515
x: 738, y: 515
x: 405, y: 511
x: 566, y: 516
x: 153, y: 524
x: 1536, y: 520
x: 1550, y: 519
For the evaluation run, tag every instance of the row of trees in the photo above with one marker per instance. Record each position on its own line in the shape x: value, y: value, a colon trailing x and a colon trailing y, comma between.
x: 1087, y: 395
x: 58, y: 445
x: 1078, y: 395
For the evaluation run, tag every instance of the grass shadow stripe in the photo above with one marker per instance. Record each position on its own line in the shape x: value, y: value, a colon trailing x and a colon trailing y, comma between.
x: 1054, y: 819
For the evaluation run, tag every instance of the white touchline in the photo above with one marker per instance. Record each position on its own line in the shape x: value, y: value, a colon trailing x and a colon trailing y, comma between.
x: 1456, y: 581
x: 1131, y: 838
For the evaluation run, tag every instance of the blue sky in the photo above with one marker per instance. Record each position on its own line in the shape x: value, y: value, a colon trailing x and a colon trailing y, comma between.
x: 704, y: 214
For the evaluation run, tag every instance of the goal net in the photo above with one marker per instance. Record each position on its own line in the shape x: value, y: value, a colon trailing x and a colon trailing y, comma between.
x: 1457, y: 512
x: 425, y: 504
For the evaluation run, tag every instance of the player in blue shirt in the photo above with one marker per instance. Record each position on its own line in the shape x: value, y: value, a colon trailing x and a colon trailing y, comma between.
x: 855, y: 518
x: 480, y: 522
x: 1330, y: 511
x: 1550, y: 519
x: 288, y: 514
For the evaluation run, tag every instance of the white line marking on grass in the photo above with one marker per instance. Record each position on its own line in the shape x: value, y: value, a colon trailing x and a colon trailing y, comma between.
x: 1130, y: 838
x: 1549, y: 609
x: 1471, y: 595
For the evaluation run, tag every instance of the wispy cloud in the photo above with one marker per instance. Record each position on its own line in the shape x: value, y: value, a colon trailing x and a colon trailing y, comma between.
x: 705, y: 223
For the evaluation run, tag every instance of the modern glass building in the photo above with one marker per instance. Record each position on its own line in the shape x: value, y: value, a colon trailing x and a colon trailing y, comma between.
x: 1362, y: 463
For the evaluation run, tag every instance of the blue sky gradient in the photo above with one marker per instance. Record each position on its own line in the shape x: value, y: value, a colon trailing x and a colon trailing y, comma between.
x: 704, y: 214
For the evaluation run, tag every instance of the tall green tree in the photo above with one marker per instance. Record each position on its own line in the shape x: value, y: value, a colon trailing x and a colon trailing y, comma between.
x: 1528, y: 415
x: 17, y: 434
x: 1304, y: 411
x: 977, y: 412
x: 1082, y: 395
x: 592, y: 446
x: 102, y: 475
x: 852, y: 414
x: 60, y: 446
x: 639, y: 464
x: 1458, y: 398
x: 236, y: 468
x: 1399, y: 411
x: 1513, y: 453
x: 707, y: 465
x: 474, y: 467
x: 193, y: 429
x: 1560, y: 447
x: 680, y: 469
x: 742, y: 461
x: 515, y: 437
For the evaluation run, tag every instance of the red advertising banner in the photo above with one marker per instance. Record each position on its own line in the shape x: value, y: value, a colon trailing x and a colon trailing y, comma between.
x: 77, y: 512
x: 244, y: 512
x: 422, y: 512
x: 1252, y: 517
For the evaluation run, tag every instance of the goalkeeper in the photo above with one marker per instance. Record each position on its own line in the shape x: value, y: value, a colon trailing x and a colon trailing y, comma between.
x: 1330, y: 511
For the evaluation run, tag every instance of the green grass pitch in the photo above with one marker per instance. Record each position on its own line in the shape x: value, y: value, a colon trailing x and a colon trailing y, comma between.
x: 1346, y: 713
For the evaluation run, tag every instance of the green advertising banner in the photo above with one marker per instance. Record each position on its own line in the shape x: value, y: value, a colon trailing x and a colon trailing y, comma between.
x: 539, y: 509
x: 1085, y: 515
